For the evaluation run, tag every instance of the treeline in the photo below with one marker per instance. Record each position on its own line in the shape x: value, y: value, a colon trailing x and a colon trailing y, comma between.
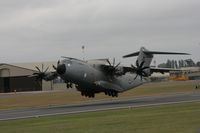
x: 179, y: 64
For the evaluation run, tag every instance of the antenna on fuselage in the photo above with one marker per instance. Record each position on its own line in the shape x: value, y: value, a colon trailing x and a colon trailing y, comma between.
x: 83, y: 51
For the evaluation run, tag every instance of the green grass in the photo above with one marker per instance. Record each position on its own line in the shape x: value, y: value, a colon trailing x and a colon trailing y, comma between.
x: 177, y: 118
x: 15, y: 101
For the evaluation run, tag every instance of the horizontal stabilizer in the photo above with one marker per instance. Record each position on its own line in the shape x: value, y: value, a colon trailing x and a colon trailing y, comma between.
x: 153, y: 52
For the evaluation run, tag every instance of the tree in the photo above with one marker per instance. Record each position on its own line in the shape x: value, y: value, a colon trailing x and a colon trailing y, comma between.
x: 168, y: 64
x: 162, y: 65
x: 176, y: 64
x: 190, y: 63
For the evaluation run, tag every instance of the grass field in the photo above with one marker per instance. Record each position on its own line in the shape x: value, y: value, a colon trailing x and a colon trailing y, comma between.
x: 176, y: 118
x: 13, y: 101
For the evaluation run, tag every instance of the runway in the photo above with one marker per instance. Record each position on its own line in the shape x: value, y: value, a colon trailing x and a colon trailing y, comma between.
x: 99, y: 106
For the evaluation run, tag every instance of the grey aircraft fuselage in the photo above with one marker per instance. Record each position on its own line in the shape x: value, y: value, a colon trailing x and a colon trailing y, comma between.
x: 97, y: 76
x: 90, y: 78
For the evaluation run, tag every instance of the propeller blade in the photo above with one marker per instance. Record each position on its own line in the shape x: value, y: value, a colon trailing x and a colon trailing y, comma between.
x: 136, y: 77
x: 112, y: 69
x: 141, y: 77
x: 55, y: 67
x: 42, y: 67
x: 144, y: 74
x: 141, y: 65
x: 35, y: 73
x: 133, y: 67
x: 41, y: 73
x: 137, y: 63
x: 139, y: 69
x: 37, y: 68
x: 113, y: 61
x: 145, y: 68
x: 117, y: 65
x: 46, y: 69
x: 109, y: 62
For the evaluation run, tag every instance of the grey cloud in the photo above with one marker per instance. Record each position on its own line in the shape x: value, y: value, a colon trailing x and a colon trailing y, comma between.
x: 107, y: 27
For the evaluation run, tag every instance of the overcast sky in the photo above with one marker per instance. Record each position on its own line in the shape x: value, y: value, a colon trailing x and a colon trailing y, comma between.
x: 44, y: 30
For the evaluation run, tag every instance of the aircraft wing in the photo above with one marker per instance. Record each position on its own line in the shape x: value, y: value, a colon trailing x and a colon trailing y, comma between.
x: 109, y: 85
x: 163, y: 70
x: 152, y: 70
x: 128, y: 69
x: 119, y: 71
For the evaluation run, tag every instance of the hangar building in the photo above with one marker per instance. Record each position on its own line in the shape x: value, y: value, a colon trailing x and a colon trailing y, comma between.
x: 14, y: 78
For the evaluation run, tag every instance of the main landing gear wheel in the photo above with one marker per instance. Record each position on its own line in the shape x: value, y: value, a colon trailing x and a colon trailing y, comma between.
x: 112, y: 93
x: 89, y: 94
x: 69, y: 85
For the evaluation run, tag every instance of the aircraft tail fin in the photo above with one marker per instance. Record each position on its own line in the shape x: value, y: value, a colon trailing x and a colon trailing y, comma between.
x: 145, y: 57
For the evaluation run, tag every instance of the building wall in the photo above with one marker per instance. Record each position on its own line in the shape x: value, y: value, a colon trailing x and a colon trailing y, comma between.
x: 19, y: 80
x: 25, y: 84
x: 1, y: 85
x: 47, y: 85
x: 19, y: 84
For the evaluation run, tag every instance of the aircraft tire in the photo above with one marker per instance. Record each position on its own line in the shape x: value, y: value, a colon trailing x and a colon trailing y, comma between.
x: 109, y: 94
x: 82, y: 93
x: 106, y: 93
x: 70, y: 85
x: 86, y: 94
x: 67, y: 85
x: 113, y: 94
x: 93, y: 95
x: 116, y: 94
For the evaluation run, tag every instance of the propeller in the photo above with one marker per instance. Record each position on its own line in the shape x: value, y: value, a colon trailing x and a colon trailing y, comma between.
x: 139, y: 69
x: 41, y: 72
x: 112, y: 67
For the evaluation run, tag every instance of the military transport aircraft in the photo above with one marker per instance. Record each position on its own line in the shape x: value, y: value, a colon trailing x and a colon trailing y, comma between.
x: 95, y: 76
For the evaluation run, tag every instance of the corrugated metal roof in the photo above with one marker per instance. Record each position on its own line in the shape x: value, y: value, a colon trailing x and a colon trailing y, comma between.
x: 16, y: 66
x: 9, y: 70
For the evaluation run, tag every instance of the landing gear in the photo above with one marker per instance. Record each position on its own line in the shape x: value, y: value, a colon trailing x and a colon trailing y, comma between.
x: 88, y: 93
x: 197, y: 87
x: 112, y: 93
x: 69, y: 85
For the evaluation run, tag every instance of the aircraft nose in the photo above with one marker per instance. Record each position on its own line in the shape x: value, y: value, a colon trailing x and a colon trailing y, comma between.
x: 61, y: 69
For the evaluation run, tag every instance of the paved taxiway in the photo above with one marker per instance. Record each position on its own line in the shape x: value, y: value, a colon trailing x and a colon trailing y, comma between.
x: 98, y: 106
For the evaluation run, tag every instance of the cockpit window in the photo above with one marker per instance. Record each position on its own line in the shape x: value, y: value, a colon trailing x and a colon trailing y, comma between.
x: 65, y: 61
